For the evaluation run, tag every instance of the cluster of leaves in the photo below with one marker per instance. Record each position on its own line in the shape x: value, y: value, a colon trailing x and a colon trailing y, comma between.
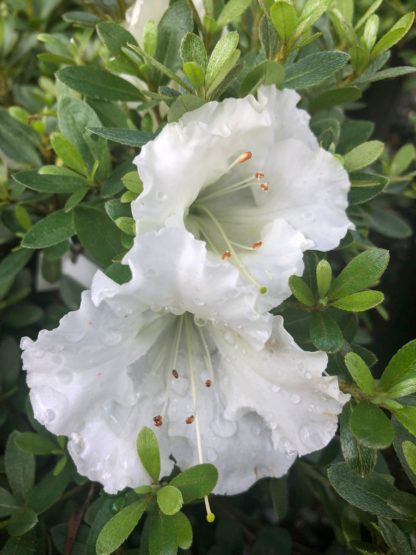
x: 79, y: 98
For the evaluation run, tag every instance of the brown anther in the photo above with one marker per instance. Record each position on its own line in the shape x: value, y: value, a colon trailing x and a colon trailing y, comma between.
x: 208, y: 383
x: 226, y: 255
x: 190, y: 419
x: 158, y: 420
x: 257, y: 245
x: 244, y: 157
x: 264, y: 186
x: 175, y: 374
x: 259, y: 175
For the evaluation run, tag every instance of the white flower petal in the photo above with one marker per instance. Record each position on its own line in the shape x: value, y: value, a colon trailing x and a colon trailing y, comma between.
x: 141, y: 12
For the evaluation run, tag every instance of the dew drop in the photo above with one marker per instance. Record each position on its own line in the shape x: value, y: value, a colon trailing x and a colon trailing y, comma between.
x: 111, y: 338
x: 161, y: 196
x: 229, y: 337
x: 200, y: 322
x: 50, y: 415
x: 295, y: 398
x: 308, y: 375
x: 276, y: 389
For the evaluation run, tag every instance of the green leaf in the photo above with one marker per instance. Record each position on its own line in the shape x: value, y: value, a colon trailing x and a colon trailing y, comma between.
x: 279, y: 492
x: 20, y: 468
x: 314, y: 69
x: 162, y: 535
x: 22, y: 521
x: 53, y: 229
x: 22, y: 545
x: 49, y: 490
x: 35, y: 443
x: 12, y: 264
x: 325, y: 333
x: 284, y: 18
x: 409, y: 451
x: 196, y: 482
x: 334, y: 97
x: 394, y: 537
x: 407, y: 417
x: 221, y: 60
x: 76, y: 198
x: 170, y: 500
x: 193, y: 50
x: 75, y: 118
x: 359, y: 302
x: 267, y: 72
x: 18, y: 141
x: 369, y: 493
x: 363, y: 271
x: 301, y: 291
x: 183, y: 104
x: 8, y: 503
x: 183, y: 530
x: 54, y: 184
x: 360, y: 373
x: 129, y: 137
x: 402, y: 159
x: 390, y: 73
x: 194, y: 73
x: 98, y: 234
x: 360, y: 458
x: 365, y: 186
x: 148, y: 450
x: 68, y: 153
x: 232, y: 11
x: 175, y: 23
x: 400, y: 369
x: 114, y: 37
x: 396, y: 33
x: 371, y: 426
x: 118, y: 528
x: 268, y: 37
x: 363, y: 155
x: 323, y: 277
x: 98, y: 83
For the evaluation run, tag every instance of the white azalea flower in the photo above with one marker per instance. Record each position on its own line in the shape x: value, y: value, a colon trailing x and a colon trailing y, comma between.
x: 249, y: 178
x: 143, y: 11
x: 181, y: 348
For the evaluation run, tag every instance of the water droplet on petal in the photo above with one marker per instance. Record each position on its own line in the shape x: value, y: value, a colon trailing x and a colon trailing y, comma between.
x: 295, y: 398
x: 50, y: 415
x: 229, y: 337
x: 111, y: 338
x: 161, y: 196
x: 200, y: 322
x: 276, y: 388
x: 308, y: 375
x: 74, y: 335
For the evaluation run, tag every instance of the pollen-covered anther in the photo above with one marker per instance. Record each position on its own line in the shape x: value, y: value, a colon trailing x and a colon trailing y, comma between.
x: 175, y: 374
x: 244, y: 157
x: 190, y: 419
x: 208, y: 383
x: 264, y: 186
x: 226, y: 255
x: 158, y: 420
x: 259, y: 175
x: 257, y: 245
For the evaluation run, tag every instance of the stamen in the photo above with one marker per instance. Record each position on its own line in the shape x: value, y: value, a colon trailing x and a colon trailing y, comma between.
x: 210, y: 514
x: 231, y: 251
x: 175, y: 374
x: 208, y: 383
x: 244, y: 157
x: 259, y: 175
x: 257, y: 245
x: 264, y: 186
x: 158, y: 420
x: 190, y: 419
x: 207, y: 357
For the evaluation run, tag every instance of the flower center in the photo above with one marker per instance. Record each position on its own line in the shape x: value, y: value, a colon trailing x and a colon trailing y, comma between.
x: 209, y: 224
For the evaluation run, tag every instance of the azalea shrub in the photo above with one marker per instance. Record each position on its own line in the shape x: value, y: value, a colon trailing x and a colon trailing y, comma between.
x: 205, y: 278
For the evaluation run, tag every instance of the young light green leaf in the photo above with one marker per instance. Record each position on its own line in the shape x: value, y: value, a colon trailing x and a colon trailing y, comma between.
x: 407, y: 417
x: 51, y: 230
x: 360, y: 373
x: 370, y: 31
x: 68, y: 153
x: 170, y: 500
x: 232, y: 11
x: 396, y: 33
x: 409, y: 451
x: 196, y: 482
x: 162, y: 535
x: 193, y: 50
x: 194, y: 73
x: 371, y: 426
x: 183, y: 530
x: 148, y: 450
x: 284, y: 18
x: 314, y: 69
x: 359, y: 302
x: 301, y: 291
x: 363, y: 155
x: 401, y: 368
x: 220, y: 61
x: 402, y: 159
x: 323, y: 277
x: 325, y: 333
x: 363, y: 271
x: 118, y: 528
